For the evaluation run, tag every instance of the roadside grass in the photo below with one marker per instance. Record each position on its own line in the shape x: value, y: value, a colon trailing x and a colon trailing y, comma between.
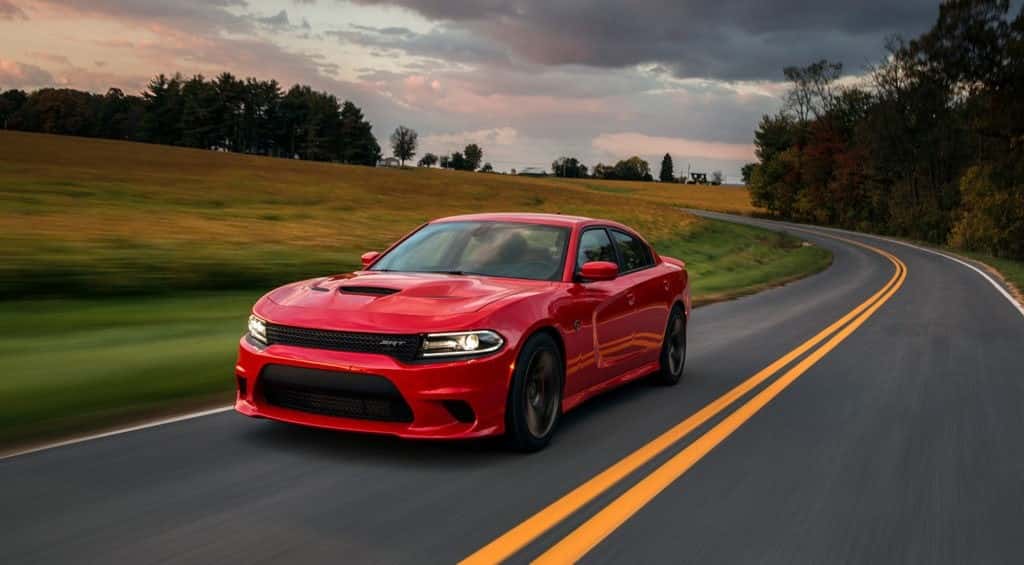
x: 128, y: 269
x: 728, y: 260
x: 74, y: 366
x: 1011, y: 270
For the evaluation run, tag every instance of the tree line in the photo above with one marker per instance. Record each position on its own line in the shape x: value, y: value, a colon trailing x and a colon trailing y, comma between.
x: 634, y: 168
x: 405, y: 141
x: 223, y: 113
x: 929, y: 146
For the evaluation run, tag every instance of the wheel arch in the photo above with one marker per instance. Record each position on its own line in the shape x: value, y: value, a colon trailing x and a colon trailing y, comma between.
x: 552, y: 331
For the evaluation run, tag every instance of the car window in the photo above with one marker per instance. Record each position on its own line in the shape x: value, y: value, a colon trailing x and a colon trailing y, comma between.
x: 595, y: 246
x: 432, y: 247
x: 501, y: 249
x: 632, y: 251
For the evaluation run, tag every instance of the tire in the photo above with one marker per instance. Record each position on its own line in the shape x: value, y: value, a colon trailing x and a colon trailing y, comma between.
x: 673, y: 350
x: 534, y: 403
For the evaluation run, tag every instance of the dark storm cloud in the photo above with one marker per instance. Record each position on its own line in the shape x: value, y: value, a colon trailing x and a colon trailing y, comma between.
x: 726, y: 39
x: 445, y: 43
x: 196, y: 16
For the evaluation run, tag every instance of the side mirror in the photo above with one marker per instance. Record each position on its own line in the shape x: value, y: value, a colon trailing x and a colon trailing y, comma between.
x: 599, y: 271
x: 369, y: 257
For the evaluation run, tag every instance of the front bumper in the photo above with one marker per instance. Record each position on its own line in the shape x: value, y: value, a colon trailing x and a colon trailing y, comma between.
x: 436, y: 393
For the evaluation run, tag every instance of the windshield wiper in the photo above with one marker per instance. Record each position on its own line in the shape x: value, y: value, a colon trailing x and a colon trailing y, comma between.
x: 457, y: 272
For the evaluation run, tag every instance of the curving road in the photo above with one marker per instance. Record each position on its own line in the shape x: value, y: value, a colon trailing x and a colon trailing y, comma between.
x: 902, y: 442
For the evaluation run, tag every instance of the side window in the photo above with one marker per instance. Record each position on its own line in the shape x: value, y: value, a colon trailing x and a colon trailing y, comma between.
x: 595, y: 246
x: 634, y: 253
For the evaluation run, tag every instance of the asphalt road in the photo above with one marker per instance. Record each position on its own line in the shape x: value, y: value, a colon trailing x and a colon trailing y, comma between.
x: 903, y: 444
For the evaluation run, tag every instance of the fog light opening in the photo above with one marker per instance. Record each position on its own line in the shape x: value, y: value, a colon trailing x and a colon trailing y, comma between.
x: 460, y: 410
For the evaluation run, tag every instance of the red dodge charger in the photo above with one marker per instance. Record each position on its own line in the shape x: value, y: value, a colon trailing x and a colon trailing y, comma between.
x: 469, y: 326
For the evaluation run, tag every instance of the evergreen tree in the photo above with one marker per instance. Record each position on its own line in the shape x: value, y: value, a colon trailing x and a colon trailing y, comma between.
x: 667, y: 170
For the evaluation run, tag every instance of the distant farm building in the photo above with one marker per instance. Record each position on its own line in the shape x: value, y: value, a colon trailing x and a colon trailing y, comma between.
x: 533, y: 172
x: 389, y: 162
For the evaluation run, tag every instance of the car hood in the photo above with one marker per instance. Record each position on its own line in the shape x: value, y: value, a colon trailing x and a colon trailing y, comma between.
x: 380, y: 300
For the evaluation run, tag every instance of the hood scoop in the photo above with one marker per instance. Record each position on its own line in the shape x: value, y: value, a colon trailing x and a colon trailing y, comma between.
x: 371, y: 290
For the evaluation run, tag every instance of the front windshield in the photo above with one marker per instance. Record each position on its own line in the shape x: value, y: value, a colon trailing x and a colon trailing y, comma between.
x: 497, y: 249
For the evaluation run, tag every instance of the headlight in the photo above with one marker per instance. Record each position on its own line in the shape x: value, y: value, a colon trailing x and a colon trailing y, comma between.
x: 258, y: 329
x: 461, y: 343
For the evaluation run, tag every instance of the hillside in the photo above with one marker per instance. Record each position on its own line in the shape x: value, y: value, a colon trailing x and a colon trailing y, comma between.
x: 87, y: 216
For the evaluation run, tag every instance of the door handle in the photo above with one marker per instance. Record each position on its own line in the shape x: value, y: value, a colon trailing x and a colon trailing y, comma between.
x: 631, y: 299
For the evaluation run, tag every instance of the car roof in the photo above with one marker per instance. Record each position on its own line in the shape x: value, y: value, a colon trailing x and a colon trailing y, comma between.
x: 526, y: 218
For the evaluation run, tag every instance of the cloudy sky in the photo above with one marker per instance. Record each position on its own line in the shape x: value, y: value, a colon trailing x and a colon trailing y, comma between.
x: 527, y: 79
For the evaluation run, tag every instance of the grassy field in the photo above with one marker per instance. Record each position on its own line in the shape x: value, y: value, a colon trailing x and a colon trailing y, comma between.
x: 129, y: 269
x: 83, y: 217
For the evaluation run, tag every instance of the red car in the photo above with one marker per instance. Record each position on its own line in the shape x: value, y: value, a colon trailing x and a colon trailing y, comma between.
x: 469, y: 326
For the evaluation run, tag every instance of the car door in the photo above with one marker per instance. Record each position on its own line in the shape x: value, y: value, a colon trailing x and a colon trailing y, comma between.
x: 611, y: 306
x: 648, y: 292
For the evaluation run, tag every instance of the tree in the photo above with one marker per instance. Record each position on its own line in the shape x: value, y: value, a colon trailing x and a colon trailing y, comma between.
x: 458, y: 162
x: 746, y: 172
x: 568, y: 167
x: 473, y: 156
x: 164, y: 107
x: 119, y: 115
x: 228, y: 112
x: 444, y: 161
x: 812, y: 93
x: 358, y: 144
x: 487, y: 168
x: 60, y: 111
x: 602, y: 171
x: 667, y: 173
x: 403, y: 143
x: 716, y: 177
x: 428, y: 160
x: 633, y: 168
x: 250, y: 115
x: 11, y: 103
x: 931, y: 148
x: 262, y: 100
x: 199, y: 114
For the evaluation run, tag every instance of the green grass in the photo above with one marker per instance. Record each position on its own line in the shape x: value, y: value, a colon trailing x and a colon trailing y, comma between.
x: 727, y: 260
x: 76, y: 365
x: 143, y: 260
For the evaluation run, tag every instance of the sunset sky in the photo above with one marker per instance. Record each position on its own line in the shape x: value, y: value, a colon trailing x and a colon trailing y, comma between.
x: 528, y: 80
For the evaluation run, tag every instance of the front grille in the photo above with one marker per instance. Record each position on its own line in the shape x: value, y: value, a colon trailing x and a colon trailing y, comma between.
x: 332, y: 393
x: 400, y: 346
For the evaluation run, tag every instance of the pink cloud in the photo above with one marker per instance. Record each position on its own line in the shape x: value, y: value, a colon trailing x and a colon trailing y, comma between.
x: 20, y: 75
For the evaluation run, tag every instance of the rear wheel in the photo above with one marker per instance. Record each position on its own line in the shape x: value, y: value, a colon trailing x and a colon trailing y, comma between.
x: 535, y: 397
x: 673, y: 349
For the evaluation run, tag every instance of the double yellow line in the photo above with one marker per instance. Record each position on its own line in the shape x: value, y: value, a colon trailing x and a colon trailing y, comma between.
x: 598, y: 527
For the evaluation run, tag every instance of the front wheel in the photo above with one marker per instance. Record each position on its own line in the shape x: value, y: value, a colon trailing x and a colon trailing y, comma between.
x: 535, y: 396
x: 673, y: 349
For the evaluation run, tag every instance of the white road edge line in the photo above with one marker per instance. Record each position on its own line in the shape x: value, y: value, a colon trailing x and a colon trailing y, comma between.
x: 119, y: 431
x: 1009, y: 297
